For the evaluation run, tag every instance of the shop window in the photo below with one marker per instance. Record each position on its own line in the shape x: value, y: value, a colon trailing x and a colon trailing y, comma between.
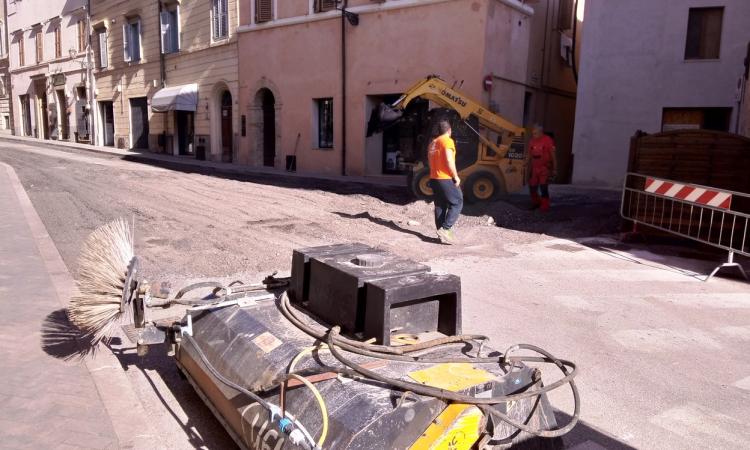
x: 704, y: 33
x: 324, y: 110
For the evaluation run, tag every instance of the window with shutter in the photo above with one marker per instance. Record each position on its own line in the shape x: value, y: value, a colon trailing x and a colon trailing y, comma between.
x: 324, y: 5
x: 81, y: 35
x: 704, y: 33
x: 263, y: 11
x: 220, y: 19
x: 103, y: 56
x: 39, y: 46
x: 135, y: 40
x: 58, y: 42
x: 126, y: 42
x: 21, y: 52
x: 170, y: 37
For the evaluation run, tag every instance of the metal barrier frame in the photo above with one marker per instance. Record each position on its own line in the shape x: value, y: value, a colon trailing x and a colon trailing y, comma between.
x: 683, y: 204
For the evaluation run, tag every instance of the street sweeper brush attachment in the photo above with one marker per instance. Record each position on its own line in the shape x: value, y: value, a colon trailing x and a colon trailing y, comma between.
x: 105, y: 267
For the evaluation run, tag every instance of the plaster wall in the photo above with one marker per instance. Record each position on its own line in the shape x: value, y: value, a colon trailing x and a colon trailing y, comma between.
x: 34, y: 77
x: 633, y: 66
x: 389, y: 50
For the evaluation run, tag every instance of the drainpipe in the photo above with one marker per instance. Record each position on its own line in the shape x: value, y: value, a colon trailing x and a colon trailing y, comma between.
x: 89, y: 77
x: 163, y: 75
x: 343, y: 87
x: 575, y: 36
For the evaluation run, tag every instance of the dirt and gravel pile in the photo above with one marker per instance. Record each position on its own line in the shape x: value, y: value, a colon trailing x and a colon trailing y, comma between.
x: 197, y: 225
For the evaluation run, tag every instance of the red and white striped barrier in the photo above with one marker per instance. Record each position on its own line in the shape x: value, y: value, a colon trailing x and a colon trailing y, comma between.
x: 689, y: 193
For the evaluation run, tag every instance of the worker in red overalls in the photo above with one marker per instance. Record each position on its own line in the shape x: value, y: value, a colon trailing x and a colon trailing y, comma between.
x: 541, y: 166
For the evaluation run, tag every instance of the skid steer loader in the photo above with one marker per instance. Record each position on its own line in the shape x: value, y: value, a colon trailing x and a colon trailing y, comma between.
x: 490, y: 149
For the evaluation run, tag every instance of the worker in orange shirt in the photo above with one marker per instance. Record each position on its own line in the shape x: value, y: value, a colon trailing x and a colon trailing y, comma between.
x: 541, y: 164
x: 449, y: 200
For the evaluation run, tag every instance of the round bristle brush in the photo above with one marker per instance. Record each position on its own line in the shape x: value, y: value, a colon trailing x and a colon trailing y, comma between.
x: 102, y: 273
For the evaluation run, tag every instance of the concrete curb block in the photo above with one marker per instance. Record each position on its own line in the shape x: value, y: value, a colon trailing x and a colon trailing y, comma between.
x: 125, y: 410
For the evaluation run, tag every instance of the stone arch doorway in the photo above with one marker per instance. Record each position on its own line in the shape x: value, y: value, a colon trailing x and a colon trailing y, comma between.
x: 267, y: 102
x: 227, y: 142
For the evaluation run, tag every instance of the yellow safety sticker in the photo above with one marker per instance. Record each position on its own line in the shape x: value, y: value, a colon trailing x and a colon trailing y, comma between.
x: 452, y: 376
x: 456, y: 428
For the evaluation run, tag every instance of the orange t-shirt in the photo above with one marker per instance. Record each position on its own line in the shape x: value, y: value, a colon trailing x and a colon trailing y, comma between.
x: 442, y: 149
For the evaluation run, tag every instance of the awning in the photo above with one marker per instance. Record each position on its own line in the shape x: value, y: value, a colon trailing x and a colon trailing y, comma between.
x: 176, y: 98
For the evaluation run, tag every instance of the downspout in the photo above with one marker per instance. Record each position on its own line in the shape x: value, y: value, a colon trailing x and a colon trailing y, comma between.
x: 9, y: 80
x: 89, y: 76
x: 575, y: 35
x: 163, y: 76
x: 343, y: 88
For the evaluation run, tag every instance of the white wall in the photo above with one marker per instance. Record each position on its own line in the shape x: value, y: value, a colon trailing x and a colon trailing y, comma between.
x: 633, y: 66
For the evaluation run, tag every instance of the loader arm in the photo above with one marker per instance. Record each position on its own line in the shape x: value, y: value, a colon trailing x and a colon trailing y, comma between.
x: 436, y: 90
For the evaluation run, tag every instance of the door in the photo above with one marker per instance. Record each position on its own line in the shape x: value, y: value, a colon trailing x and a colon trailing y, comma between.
x: 43, y: 128
x: 107, y: 113
x: 26, y: 115
x: 269, y: 129
x: 63, y: 115
x: 185, y: 133
x: 226, y: 127
x: 139, y: 122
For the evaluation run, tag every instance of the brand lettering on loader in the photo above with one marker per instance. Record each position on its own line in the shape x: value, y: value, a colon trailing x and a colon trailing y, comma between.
x: 453, y: 98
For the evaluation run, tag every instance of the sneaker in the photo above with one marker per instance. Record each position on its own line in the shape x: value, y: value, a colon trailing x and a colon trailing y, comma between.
x: 446, y: 236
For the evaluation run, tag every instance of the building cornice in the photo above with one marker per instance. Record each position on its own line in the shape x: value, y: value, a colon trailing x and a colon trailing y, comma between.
x: 367, y: 9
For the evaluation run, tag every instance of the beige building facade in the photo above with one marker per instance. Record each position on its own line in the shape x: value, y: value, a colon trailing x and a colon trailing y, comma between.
x: 166, y: 76
x: 6, y: 116
x: 307, y: 90
x: 48, y: 69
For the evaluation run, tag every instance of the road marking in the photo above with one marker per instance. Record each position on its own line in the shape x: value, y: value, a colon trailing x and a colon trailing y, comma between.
x: 694, y: 421
x: 743, y: 384
x: 665, y: 340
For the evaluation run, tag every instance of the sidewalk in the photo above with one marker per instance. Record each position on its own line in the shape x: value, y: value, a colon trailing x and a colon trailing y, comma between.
x: 191, y: 162
x: 49, y: 398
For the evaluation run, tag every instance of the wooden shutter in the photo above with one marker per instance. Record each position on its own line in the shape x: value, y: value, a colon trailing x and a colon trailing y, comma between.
x: 135, y: 34
x: 58, y: 43
x: 166, y: 34
x: 39, y: 47
x: 324, y: 5
x: 263, y: 11
x: 21, y: 53
x: 126, y: 41
x: 81, y: 35
x: 103, y: 56
x: 565, y: 15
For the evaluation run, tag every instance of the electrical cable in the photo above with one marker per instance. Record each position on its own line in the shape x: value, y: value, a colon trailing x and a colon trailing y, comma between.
x: 468, y: 399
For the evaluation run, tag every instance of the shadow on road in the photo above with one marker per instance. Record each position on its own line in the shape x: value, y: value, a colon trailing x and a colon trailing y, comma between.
x: 63, y: 340
x: 589, y: 437
x: 389, y: 224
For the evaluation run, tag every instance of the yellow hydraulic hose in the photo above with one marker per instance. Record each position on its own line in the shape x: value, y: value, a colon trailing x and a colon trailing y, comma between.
x: 321, y: 404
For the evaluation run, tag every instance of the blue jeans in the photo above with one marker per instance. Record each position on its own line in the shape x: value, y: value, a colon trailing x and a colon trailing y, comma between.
x: 449, y: 200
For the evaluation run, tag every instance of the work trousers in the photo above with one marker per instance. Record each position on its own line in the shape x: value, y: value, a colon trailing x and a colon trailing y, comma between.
x: 544, y: 187
x: 449, y: 200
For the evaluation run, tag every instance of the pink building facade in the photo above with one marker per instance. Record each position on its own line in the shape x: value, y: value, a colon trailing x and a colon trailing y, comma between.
x: 291, y: 72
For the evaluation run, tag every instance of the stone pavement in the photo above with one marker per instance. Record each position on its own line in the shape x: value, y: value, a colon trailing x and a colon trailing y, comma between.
x: 50, y: 398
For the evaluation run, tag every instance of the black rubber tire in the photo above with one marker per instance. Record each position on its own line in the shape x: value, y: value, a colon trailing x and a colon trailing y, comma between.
x: 419, y: 184
x: 481, y: 186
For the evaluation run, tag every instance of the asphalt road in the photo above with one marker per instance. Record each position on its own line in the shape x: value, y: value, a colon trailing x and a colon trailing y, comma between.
x: 662, y: 354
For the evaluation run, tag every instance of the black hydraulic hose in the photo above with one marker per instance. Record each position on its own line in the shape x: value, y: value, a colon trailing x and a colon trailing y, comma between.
x: 468, y: 399
x: 379, y: 350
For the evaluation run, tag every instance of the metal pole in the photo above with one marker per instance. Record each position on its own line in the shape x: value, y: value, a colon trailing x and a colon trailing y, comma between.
x: 343, y: 88
x: 89, y: 76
